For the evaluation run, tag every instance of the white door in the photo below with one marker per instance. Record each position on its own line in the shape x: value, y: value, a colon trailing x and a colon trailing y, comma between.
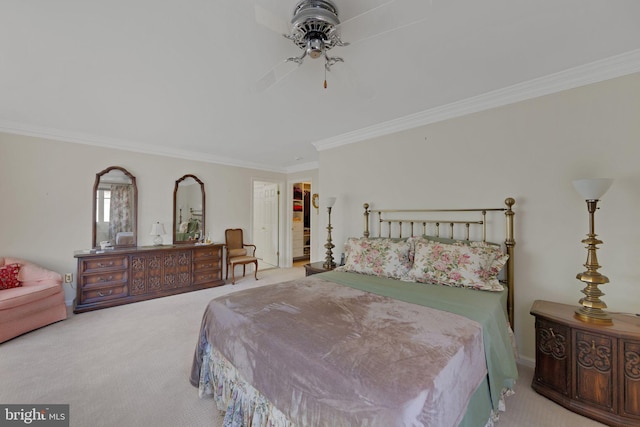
x: 265, y: 222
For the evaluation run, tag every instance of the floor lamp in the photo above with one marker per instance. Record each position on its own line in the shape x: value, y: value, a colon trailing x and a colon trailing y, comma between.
x: 329, y: 264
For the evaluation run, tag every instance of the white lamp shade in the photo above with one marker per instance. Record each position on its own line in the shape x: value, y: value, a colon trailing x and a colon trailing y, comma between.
x: 592, y: 189
x: 157, y: 229
x: 329, y: 202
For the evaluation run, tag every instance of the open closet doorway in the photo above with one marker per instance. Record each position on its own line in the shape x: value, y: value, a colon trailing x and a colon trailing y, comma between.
x: 266, y: 233
x: 301, y: 223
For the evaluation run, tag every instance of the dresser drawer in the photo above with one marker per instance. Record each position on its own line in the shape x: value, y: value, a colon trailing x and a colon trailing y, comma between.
x: 206, y: 264
x: 206, y: 252
x: 103, y: 293
x: 200, y: 277
x: 89, y: 265
x: 103, y: 278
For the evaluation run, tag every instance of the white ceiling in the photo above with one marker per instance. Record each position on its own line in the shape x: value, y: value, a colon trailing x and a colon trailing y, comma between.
x: 178, y: 77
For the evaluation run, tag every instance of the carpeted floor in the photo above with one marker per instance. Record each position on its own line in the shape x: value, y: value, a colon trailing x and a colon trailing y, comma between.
x: 130, y: 365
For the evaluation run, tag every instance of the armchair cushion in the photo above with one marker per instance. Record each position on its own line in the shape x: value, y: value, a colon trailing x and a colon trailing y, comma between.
x: 236, y: 252
x: 242, y: 259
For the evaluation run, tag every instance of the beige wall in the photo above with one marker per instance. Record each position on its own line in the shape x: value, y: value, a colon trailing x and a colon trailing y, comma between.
x: 46, y: 192
x: 531, y: 151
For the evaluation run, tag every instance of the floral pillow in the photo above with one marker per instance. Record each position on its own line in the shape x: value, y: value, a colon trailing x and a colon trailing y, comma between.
x: 9, y: 276
x: 378, y: 257
x: 474, y: 265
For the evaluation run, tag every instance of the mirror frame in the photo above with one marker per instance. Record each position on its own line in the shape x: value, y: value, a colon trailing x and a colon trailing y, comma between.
x: 175, y: 195
x: 135, y: 206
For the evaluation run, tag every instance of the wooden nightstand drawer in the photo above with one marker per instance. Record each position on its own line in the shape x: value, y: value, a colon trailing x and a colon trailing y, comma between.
x: 630, y: 379
x: 595, y: 364
x: 553, y: 356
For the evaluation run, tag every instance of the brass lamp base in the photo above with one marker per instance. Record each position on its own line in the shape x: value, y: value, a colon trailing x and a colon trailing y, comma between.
x: 591, y: 309
x: 595, y: 316
x: 329, y: 264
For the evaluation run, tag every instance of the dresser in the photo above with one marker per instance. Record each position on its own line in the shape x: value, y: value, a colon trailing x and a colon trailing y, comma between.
x: 590, y: 369
x: 115, y: 277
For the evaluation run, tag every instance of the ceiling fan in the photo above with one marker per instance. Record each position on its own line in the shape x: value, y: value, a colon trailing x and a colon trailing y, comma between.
x: 315, y: 28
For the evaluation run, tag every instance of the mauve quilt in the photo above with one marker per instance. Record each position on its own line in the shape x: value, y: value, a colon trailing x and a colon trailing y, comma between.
x: 326, y: 354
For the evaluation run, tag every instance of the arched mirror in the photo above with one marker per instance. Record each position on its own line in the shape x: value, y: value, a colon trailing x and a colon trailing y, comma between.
x: 115, y: 208
x: 188, y: 210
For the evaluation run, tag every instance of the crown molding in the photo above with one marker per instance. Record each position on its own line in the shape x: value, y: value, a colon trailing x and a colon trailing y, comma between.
x: 608, y: 68
x: 119, y: 144
x: 594, y: 72
x: 303, y: 167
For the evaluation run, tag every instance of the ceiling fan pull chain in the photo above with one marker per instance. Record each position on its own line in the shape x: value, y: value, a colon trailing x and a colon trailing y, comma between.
x: 325, y: 78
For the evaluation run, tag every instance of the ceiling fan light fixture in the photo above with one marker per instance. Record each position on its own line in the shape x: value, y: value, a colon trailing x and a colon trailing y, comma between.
x: 315, y: 48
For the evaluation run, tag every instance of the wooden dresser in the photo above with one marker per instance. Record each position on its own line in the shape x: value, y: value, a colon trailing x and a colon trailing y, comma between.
x: 590, y: 369
x: 115, y: 277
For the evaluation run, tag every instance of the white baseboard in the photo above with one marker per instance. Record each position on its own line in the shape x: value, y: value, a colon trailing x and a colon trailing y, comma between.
x: 526, y: 361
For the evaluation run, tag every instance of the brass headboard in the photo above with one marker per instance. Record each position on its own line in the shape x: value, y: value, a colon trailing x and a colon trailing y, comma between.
x: 389, y: 220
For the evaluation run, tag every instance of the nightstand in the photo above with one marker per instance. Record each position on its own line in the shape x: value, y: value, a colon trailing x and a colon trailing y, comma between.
x: 315, y: 268
x: 590, y: 369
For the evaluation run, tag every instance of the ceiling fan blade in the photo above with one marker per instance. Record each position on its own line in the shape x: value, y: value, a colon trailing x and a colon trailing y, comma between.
x: 273, y: 76
x: 356, y: 83
x: 270, y: 20
x: 387, y: 17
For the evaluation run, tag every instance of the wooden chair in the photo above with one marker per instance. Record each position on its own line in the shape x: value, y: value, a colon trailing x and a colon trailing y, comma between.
x: 238, y: 254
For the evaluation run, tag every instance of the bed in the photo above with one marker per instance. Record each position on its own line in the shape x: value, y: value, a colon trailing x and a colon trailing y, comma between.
x: 414, y: 330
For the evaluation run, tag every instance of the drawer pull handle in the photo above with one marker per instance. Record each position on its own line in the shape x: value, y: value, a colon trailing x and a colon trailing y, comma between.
x: 107, y: 279
x: 105, y: 294
x: 105, y: 264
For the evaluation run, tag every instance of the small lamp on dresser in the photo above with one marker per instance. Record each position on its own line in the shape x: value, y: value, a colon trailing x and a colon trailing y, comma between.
x: 157, y: 230
x: 591, y: 309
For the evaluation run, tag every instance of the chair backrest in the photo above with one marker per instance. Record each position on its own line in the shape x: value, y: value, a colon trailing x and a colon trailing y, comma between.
x: 233, y: 238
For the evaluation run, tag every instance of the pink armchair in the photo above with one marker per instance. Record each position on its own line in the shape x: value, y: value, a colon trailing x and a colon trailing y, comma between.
x: 37, y: 302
